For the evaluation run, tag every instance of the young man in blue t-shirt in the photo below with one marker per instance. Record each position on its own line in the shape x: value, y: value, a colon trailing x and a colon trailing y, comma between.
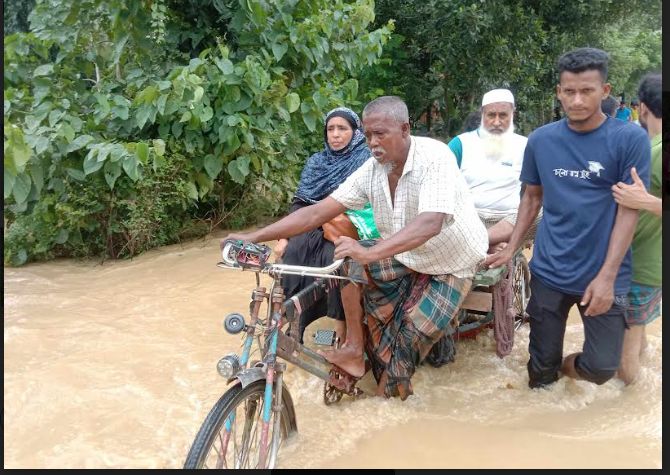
x: 581, y: 253
x: 623, y: 113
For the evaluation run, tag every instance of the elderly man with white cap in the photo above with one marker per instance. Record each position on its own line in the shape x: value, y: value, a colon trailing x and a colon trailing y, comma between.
x: 490, y: 159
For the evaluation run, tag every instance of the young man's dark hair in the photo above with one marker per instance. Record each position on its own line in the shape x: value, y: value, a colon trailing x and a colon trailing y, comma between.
x: 584, y: 59
x: 649, y: 92
x: 608, y: 106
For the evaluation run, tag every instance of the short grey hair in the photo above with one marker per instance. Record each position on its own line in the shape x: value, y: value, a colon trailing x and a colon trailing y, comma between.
x: 390, y: 106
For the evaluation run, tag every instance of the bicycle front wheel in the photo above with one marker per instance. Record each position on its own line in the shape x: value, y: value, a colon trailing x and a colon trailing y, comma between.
x: 231, y: 433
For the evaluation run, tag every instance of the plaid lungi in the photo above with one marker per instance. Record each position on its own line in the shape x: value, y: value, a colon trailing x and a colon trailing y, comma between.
x: 644, y: 304
x: 406, y: 313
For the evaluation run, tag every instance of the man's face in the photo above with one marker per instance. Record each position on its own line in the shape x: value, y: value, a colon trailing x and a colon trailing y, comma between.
x: 496, y: 117
x: 386, y: 138
x: 581, y: 94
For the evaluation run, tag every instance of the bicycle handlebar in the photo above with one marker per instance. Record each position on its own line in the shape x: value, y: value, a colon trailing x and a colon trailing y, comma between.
x: 276, y: 269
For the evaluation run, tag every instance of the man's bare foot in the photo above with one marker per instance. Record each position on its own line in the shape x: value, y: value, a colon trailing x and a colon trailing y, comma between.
x: 348, y: 358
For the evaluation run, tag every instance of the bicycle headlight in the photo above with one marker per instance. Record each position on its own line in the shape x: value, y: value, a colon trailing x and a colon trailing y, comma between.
x: 228, y: 366
x: 234, y: 323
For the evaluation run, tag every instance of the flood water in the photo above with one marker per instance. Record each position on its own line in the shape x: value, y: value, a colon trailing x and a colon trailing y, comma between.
x: 114, y: 365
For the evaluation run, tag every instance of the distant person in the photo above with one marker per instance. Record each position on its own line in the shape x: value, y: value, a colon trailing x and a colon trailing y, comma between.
x: 645, y: 291
x: 609, y: 106
x: 581, y: 253
x: 557, y: 113
x: 344, y: 152
x: 635, y: 112
x: 490, y: 159
x: 623, y: 112
x: 472, y: 121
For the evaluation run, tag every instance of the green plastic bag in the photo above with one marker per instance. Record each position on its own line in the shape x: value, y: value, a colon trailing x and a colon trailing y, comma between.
x: 364, y: 222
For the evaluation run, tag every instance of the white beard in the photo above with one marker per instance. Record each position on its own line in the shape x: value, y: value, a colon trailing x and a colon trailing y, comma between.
x: 497, y: 146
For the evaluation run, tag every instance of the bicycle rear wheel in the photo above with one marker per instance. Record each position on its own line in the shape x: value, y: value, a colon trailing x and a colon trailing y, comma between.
x: 230, y: 435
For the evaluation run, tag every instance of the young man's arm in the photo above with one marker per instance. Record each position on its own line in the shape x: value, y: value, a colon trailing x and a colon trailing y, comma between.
x: 530, y: 205
x: 635, y: 196
x: 599, y: 294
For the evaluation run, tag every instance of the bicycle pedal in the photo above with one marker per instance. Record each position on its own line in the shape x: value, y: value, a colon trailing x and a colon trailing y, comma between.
x: 325, y: 337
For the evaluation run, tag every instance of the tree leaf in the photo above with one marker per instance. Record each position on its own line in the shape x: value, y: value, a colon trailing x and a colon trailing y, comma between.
x: 91, y: 163
x: 103, y: 103
x: 121, y: 112
x: 238, y: 170
x: 54, y: 116
x: 192, y: 191
x: 279, y: 50
x: 76, y: 174
x: 213, y: 166
x: 130, y: 167
x: 320, y: 99
x: 186, y: 116
x: 118, y: 48
x: 160, y: 105
x: 43, y: 70
x: 225, y: 65
x: 21, y: 188
x: 197, y: 94
x: 9, y: 181
x: 66, y: 131
x: 37, y: 174
x: 112, y: 172
x: 142, y: 152
x: 159, y: 147
x: 143, y: 114
x: 62, y: 236
x: 79, y: 142
x: 207, y: 114
x: 232, y: 144
x: 309, y: 119
x: 292, y: 102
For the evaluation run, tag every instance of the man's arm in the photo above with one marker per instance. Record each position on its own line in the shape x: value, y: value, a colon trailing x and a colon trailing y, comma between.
x: 635, y: 196
x: 303, y: 220
x: 530, y: 205
x: 418, y: 231
x: 599, y: 294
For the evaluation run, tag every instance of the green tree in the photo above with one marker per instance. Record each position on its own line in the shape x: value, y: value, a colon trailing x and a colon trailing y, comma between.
x: 449, y: 52
x: 100, y: 96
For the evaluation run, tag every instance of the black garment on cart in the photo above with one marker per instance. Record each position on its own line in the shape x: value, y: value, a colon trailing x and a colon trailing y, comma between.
x: 311, y: 249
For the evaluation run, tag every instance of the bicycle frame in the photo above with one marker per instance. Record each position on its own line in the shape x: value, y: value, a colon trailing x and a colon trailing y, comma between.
x: 278, y: 344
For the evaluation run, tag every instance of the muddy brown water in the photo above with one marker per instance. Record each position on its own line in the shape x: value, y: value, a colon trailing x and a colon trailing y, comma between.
x: 113, y: 365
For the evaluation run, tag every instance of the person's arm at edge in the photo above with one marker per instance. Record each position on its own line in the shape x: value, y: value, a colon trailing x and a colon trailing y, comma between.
x: 529, y: 207
x: 300, y: 221
x: 599, y: 294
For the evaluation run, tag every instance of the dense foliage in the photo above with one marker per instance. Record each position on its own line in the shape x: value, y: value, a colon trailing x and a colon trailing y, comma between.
x: 444, y: 54
x: 125, y: 119
x: 130, y: 124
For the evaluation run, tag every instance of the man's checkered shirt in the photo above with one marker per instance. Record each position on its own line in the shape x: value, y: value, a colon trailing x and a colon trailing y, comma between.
x: 430, y: 181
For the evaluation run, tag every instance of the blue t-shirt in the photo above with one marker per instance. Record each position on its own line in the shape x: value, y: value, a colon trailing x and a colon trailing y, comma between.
x: 623, y: 114
x: 576, y: 171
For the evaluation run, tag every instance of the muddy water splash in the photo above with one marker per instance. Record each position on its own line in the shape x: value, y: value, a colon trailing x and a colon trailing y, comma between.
x: 114, y: 366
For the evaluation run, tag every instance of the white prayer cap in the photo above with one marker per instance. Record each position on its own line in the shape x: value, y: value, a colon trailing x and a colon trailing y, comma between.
x: 498, y: 95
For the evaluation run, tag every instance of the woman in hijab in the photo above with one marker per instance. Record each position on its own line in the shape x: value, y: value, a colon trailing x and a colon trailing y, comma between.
x: 344, y: 152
